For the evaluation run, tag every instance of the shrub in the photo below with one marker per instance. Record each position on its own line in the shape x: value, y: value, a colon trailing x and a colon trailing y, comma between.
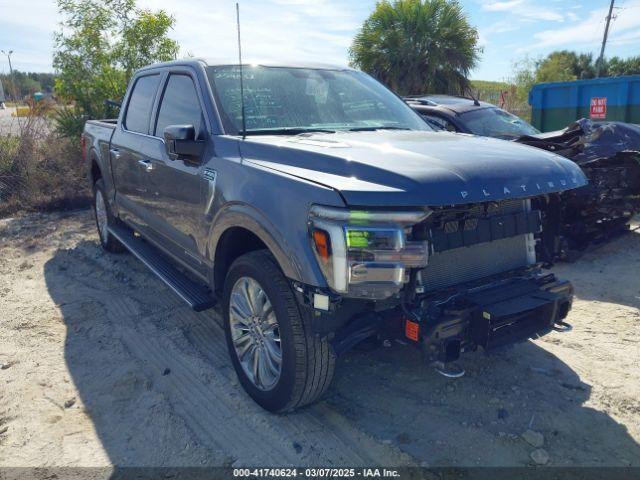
x: 69, y: 122
x: 39, y: 169
x: 100, y: 45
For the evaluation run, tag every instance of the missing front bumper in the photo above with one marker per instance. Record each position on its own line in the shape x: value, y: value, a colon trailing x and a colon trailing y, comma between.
x: 493, y: 317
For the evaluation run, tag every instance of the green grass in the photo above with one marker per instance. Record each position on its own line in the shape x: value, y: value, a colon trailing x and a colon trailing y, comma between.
x: 489, y: 86
x: 489, y: 91
x: 9, y: 146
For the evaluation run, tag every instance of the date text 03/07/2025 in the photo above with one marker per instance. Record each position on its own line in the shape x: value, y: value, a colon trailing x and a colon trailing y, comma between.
x: 316, y: 472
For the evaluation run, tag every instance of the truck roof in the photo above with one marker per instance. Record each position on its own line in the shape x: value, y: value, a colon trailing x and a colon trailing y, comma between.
x: 266, y: 63
x: 449, y: 102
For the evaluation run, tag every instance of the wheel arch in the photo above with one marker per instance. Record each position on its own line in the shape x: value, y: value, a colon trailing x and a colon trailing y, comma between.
x: 95, y: 171
x: 240, y: 229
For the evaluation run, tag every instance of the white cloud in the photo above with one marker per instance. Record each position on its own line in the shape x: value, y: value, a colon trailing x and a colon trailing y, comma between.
x: 318, y: 30
x: 501, y: 6
x: 513, y: 15
x: 36, y: 17
x: 624, y: 29
x: 314, y: 30
x: 525, y: 10
x: 573, y: 16
x: 27, y: 30
x: 502, y: 26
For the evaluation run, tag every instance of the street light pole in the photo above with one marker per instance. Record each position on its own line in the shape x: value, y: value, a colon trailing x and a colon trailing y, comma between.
x: 13, y: 81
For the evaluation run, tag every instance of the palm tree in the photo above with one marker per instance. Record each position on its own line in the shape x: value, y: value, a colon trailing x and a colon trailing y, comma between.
x: 417, y: 46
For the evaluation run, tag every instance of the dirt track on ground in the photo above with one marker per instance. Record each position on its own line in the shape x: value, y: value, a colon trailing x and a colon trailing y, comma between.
x: 9, y: 125
x: 100, y: 364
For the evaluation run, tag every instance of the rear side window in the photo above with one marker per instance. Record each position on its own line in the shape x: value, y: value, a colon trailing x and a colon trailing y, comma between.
x: 180, y: 105
x: 140, y: 103
x: 439, y: 123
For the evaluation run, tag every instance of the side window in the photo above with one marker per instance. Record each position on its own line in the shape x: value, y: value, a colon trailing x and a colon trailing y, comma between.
x: 439, y: 123
x: 180, y: 105
x: 140, y: 103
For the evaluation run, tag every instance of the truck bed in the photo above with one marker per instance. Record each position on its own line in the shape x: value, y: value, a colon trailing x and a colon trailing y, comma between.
x: 96, y: 141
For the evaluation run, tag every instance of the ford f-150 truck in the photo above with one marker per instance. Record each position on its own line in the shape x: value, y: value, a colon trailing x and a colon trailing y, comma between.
x: 319, y: 210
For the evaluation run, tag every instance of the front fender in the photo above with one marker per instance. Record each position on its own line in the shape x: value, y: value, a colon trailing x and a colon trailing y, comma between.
x: 250, y: 218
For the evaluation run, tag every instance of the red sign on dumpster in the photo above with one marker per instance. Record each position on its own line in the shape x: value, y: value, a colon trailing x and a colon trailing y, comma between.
x: 598, y: 108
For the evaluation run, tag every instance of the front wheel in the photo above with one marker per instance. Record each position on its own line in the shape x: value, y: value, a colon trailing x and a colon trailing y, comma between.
x: 279, y: 362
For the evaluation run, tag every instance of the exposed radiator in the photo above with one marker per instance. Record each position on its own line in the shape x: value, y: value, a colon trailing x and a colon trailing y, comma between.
x: 470, y: 263
x: 466, y: 264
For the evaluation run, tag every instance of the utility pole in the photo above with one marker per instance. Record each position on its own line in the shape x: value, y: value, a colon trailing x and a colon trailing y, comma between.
x: 604, y: 40
x: 13, y: 82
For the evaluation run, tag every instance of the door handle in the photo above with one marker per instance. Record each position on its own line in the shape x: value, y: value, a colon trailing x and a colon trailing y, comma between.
x: 146, y: 164
x: 115, y: 153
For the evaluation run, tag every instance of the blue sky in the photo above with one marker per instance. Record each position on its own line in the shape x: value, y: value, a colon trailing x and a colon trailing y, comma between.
x: 321, y: 30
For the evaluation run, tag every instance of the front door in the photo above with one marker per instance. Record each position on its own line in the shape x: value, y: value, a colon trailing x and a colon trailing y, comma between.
x: 175, y: 195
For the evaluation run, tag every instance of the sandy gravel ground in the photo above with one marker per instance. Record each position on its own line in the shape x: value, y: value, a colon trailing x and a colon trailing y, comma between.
x: 100, y: 365
x: 8, y: 124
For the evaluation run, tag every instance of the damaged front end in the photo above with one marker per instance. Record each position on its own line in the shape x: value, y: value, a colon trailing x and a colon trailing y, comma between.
x: 609, y: 155
x: 483, y: 286
x: 509, y: 309
x: 478, y: 285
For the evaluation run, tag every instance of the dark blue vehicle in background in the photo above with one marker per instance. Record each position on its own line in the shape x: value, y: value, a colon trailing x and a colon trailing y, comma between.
x: 607, y: 152
x: 327, y: 214
x: 467, y: 115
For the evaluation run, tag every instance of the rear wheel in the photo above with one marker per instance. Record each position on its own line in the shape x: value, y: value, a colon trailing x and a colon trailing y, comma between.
x: 104, y: 219
x: 279, y: 362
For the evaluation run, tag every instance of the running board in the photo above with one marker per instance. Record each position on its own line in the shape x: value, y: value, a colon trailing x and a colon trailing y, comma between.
x: 197, y: 295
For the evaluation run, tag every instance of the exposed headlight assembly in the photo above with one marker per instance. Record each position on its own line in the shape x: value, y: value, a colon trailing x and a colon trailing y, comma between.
x: 365, y: 254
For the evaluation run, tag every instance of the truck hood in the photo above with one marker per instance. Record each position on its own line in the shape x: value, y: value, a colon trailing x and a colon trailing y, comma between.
x: 415, y: 168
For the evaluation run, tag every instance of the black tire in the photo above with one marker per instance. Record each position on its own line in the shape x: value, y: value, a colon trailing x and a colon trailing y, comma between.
x: 308, y: 362
x: 108, y: 241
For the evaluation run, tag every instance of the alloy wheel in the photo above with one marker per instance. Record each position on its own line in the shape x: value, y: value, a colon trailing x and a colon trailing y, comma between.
x: 255, y: 333
x: 101, y: 217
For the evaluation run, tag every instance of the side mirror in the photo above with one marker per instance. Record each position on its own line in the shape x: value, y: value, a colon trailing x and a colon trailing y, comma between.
x: 180, y: 142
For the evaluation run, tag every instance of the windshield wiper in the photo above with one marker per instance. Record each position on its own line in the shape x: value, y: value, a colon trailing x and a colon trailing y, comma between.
x: 373, y: 129
x: 286, y: 131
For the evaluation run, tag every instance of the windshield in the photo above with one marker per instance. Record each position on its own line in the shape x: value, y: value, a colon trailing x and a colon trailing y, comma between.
x: 296, y: 100
x: 494, y: 122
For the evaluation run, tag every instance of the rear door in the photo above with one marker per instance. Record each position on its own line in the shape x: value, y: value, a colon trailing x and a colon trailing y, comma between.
x: 131, y: 147
x: 175, y: 197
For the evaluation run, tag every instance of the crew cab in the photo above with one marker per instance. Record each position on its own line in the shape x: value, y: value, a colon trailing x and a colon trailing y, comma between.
x: 319, y: 210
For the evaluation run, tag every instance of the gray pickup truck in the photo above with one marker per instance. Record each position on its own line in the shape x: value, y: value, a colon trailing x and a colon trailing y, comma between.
x: 321, y: 211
